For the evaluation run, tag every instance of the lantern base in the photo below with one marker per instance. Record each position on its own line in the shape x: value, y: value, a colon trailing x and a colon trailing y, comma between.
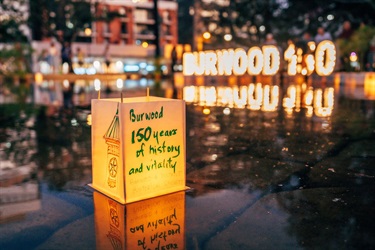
x: 141, y: 199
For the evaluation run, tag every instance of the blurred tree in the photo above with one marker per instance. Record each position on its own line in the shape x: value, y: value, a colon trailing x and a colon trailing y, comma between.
x: 298, y: 17
x: 235, y: 22
x: 13, y: 21
x: 249, y: 21
x: 358, y: 43
x: 63, y: 19
x: 185, y: 21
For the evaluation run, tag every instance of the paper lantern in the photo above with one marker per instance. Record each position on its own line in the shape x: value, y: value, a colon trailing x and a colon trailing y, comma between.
x: 138, y: 147
x: 157, y: 223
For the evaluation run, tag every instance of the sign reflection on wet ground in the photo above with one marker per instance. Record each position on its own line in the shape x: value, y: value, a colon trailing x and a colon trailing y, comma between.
x: 260, y: 179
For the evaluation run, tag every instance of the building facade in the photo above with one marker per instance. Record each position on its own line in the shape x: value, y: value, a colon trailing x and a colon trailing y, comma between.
x: 133, y: 22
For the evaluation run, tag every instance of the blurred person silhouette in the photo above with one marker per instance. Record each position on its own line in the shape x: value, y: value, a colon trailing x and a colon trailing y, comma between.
x: 346, y: 31
x: 52, y: 57
x: 66, y: 55
x: 322, y: 35
x: 303, y: 42
x: 43, y: 56
x: 80, y: 56
x: 370, y: 56
x: 107, y: 57
x: 342, y: 42
x: 270, y: 40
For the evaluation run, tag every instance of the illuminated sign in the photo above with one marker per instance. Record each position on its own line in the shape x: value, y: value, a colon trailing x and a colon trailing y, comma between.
x: 256, y: 60
x: 138, y: 147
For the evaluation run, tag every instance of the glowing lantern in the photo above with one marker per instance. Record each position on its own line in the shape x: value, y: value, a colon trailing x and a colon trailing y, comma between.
x: 157, y: 223
x: 138, y: 147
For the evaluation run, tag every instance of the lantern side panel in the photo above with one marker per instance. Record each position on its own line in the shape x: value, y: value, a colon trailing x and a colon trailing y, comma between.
x: 154, y: 147
x: 107, y: 161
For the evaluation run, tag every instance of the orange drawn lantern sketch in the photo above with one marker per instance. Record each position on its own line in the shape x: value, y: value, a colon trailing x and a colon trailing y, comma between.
x: 112, y: 139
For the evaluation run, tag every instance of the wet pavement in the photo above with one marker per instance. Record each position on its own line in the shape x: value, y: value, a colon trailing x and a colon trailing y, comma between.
x: 288, y: 178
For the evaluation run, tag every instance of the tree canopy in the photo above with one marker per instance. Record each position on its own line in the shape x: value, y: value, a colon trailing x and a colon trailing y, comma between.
x: 248, y: 21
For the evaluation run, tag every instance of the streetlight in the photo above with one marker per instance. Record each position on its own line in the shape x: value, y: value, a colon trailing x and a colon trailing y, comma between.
x: 228, y: 37
x: 206, y: 35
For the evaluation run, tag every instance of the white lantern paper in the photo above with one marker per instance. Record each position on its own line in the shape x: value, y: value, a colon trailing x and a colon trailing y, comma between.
x: 138, y: 147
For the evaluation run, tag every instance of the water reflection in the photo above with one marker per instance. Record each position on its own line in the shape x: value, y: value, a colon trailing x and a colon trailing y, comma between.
x: 317, y: 101
x: 250, y: 167
x: 19, y: 188
x: 157, y: 223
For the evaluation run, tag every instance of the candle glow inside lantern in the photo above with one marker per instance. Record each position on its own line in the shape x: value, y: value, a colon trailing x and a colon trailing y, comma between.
x: 138, y: 147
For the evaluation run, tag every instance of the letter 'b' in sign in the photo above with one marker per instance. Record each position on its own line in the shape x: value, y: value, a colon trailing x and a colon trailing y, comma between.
x: 138, y: 147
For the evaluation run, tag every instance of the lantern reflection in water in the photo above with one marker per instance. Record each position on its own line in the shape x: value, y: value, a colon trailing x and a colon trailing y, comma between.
x: 157, y: 223
x: 265, y: 98
x: 369, y: 86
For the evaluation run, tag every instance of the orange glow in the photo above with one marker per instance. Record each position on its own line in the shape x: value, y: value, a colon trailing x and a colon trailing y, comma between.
x: 271, y: 98
x: 189, y: 94
x: 291, y: 58
x: 325, y: 56
x: 271, y: 60
x: 210, y: 63
x: 210, y: 94
x: 308, y: 98
x: 89, y: 120
x: 353, y: 57
x: 289, y: 102
x: 323, y: 109
x: 311, y: 45
x: 206, y: 35
x: 97, y: 84
x: 264, y: 97
x: 256, y: 60
x: 255, y: 96
x: 38, y: 78
x: 237, y: 62
x: 137, y: 225
x: 206, y: 111
x: 369, y: 86
x: 131, y: 164
x: 240, y: 96
x: 88, y: 32
x: 225, y: 62
x: 310, y: 63
x: 227, y: 96
x: 240, y: 62
x: 202, y: 95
